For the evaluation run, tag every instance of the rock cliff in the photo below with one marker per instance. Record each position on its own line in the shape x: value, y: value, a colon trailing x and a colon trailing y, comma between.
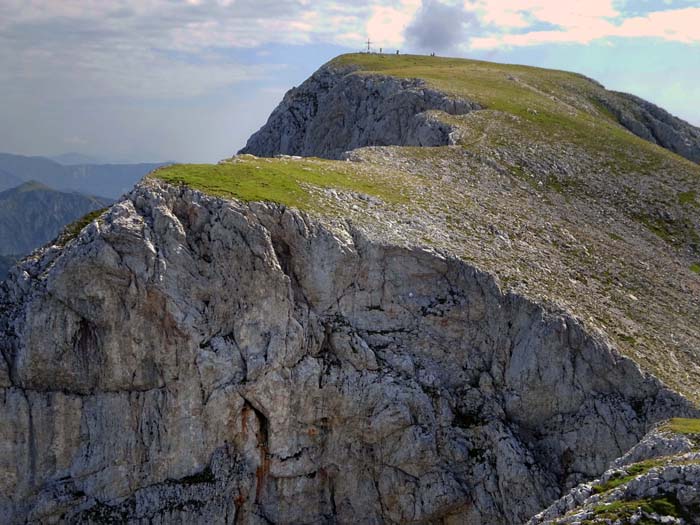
x: 337, y: 110
x: 228, y: 362
x: 458, y: 334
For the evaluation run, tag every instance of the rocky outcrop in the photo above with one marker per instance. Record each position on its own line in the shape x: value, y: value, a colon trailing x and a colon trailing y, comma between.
x: 338, y: 109
x: 654, y: 124
x: 227, y: 362
x: 658, y: 481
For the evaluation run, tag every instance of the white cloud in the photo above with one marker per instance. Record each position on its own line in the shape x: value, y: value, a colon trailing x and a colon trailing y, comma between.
x: 681, y: 25
x: 163, y: 48
x: 577, y: 22
x: 387, y: 24
x: 192, y: 25
x: 521, y: 13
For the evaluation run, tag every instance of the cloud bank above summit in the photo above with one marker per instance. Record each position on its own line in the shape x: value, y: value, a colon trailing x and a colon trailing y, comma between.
x: 191, y: 79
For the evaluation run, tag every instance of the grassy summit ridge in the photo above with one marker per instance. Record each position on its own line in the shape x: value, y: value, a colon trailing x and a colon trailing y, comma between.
x: 283, y: 181
x: 560, y: 103
x: 550, y: 104
x: 533, y: 112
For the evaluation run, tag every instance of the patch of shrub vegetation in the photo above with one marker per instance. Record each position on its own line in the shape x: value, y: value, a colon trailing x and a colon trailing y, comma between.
x: 628, y: 474
x: 622, y: 510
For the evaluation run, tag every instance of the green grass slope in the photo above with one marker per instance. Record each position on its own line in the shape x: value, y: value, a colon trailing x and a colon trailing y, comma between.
x: 283, y: 181
x: 557, y: 103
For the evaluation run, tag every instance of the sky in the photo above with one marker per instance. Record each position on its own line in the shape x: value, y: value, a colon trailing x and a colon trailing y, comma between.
x: 190, y: 80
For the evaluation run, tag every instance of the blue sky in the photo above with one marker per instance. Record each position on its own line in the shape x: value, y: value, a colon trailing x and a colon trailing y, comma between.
x: 190, y: 80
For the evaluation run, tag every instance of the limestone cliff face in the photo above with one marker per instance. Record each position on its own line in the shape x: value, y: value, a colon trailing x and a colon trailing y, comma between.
x: 337, y: 110
x: 188, y: 359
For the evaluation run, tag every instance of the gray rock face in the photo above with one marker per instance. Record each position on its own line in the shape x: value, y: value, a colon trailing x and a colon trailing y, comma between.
x: 242, y: 363
x: 654, y: 124
x: 337, y: 110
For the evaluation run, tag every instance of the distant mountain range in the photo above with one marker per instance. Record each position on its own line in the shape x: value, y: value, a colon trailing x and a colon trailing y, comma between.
x: 8, y: 180
x: 33, y: 214
x: 109, y: 180
x: 72, y: 158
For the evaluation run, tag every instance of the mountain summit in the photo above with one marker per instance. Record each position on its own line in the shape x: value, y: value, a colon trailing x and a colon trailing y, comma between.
x: 428, y: 291
x: 381, y: 100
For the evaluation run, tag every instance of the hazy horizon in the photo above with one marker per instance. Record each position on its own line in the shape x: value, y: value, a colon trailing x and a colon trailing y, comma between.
x: 192, y: 80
